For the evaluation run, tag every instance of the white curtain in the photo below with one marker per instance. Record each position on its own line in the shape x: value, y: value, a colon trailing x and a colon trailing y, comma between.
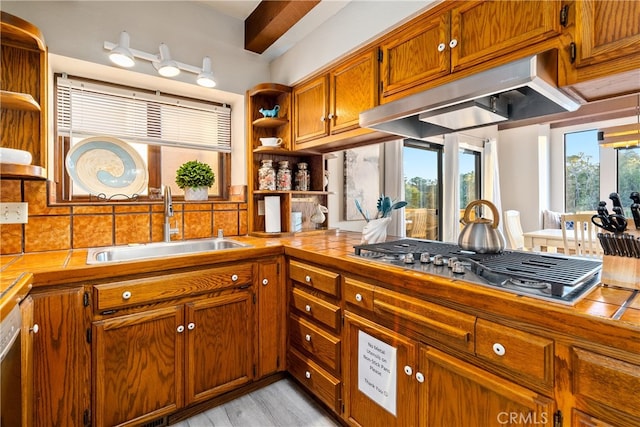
x: 450, y: 210
x: 394, y: 184
x: 491, y: 188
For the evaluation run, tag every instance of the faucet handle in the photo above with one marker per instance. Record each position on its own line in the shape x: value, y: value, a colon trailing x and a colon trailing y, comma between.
x: 220, y: 233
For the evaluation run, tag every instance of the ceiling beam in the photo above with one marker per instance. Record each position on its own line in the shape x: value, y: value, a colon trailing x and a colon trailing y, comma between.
x: 270, y: 20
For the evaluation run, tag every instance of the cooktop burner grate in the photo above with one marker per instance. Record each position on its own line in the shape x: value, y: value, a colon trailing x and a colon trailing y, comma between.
x: 536, y: 267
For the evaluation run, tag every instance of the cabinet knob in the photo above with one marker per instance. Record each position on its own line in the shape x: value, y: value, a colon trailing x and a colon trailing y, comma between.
x: 307, y: 279
x: 408, y: 370
x: 420, y: 377
x: 499, y: 349
x: 307, y: 374
x: 307, y: 308
x: 307, y: 338
x: 234, y: 277
x: 35, y: 328
x: 441, y: 47
x: 453, y: 43
x: 358, y: 297
x: 265, y: 282
x: 322, y: 119
x: 180, y: 329
x: 331, y: 116
x: 191, y: 326
x: 126, y: 295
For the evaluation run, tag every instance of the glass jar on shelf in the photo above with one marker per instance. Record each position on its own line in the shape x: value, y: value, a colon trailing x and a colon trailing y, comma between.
x: 266, y: 176
x: 303, y: 177
x: 283, y: 177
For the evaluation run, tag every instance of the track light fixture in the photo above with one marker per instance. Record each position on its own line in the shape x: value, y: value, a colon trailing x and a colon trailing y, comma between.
x: 122, y: 55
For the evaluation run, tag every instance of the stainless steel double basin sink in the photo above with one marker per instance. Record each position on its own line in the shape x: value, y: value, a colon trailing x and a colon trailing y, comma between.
x: 159, y: 250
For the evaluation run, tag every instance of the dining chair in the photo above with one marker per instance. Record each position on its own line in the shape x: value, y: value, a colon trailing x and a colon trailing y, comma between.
x: 513, y: 229
x: 584, y: 243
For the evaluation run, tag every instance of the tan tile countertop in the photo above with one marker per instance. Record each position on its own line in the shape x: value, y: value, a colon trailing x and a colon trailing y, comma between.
x: 335, y: 250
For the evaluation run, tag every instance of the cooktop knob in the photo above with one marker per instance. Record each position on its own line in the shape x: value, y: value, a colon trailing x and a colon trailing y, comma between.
x: 425, y: 257
x: 452, y: 261
x: 458, y: 268
x: 438, y: 260
x: 408, y: 258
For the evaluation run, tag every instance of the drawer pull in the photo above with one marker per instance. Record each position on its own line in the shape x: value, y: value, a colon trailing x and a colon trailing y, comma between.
x: 234, y: 277
x: 441, y: 47
x: 307, y: 374
x: 358, y: 297
x: 191, y: 326
x: 307, y: 308
x: 420, y: 377
x: 180, y: 329
x: 408, y: 370
x: 126, y: 295
x: 499, y: 349
x: 265, y: 282
x: 35, y: 328
x: 453, y: 43
x: 307, y: 279
x: 307, y: 337
x: 434, y: 325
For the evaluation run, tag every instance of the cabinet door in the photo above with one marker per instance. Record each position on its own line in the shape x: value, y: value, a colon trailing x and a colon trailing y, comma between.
x: 415, y: 55
x: 483, y: 30
x: 606, y: 30
x: 310, y: 101
x: 26, y: 333
x: 219, y: 351
x: 61, y: 365
x: 271, y: 315
x: 353, y: 90
x: 138, y: 366
x: 367, y: 362
x: 455, y: 393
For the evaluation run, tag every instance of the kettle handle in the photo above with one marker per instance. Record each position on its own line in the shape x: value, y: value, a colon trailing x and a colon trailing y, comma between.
x: 470, y: 206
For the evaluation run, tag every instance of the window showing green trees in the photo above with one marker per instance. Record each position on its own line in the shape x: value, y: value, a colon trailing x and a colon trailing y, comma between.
x: 582, y: 171
x: 628, y: 175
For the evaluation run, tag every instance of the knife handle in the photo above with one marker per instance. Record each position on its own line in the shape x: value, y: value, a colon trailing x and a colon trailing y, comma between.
x: 615, y: 198
x: 635, y: 196
x: 635, y: 212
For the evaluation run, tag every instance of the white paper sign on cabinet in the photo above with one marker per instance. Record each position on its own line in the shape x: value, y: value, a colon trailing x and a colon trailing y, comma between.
x: 377, y: 371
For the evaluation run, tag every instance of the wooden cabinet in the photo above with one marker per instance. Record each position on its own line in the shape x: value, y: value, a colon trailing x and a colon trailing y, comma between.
x: 606, y: 388
x: 162, y: 355
x: 605, y: 37
x: 330, y: 104
x: 460, y: 35
x: 454, y: 392
x: 315, y: 346
x: 271, y: 317
x: 23, y: 95
x: 29, y: 329
x: 266, y: 96
x: 61, y: 358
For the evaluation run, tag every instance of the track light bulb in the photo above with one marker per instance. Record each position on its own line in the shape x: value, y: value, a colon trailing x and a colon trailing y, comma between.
x: 167, y: 67
x: 121, y: 55
x: 205, y: 78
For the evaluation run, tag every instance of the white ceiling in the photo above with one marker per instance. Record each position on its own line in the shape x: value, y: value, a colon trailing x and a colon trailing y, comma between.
x: 241, y: 9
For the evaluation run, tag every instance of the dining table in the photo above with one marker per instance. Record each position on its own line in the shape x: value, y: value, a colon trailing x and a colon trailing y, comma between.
x: 547, y: 239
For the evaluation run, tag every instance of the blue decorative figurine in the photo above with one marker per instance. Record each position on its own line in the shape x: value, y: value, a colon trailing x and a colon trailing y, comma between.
x: 270, y: 113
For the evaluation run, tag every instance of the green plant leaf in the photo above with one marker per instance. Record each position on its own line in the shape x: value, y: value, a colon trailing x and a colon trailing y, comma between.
x: 194, y: 174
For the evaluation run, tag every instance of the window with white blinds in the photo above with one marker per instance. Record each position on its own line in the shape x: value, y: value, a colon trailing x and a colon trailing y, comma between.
x: 87, y: 108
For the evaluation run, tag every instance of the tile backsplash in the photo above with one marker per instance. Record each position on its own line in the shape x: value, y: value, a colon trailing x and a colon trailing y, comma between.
x: 103, y: 224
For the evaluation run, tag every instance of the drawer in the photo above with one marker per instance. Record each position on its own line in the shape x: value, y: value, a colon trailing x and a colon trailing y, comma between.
x: 315, y: 308
x: 321, y: 383
x: 358, y: 294
x: 314, y: 277
x: 608, y: 381
x: 525, y: 354
x: 444, y: 325
x: 319, y: 344
x: 147, y: 290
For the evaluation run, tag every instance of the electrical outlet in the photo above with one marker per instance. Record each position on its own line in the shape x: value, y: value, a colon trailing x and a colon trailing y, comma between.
x: 14, y: 213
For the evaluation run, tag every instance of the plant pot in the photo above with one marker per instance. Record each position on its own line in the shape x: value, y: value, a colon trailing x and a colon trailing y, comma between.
x: 196, y: 193
x: 375, y: 231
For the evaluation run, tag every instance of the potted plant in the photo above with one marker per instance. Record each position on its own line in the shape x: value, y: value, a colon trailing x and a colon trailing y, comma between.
x: 195, y: 178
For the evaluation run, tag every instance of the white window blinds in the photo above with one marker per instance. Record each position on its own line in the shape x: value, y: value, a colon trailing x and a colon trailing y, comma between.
x: 87, y: 109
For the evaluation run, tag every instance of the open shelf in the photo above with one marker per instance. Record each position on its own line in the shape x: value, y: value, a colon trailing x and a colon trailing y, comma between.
x: 18, y: 101
x: 270, y: 122
x: 14, y: 171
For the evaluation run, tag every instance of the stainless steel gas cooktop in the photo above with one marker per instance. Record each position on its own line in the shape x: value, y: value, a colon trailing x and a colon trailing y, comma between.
x: 552, y: 277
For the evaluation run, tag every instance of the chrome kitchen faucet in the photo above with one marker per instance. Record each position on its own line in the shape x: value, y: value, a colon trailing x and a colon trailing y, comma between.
x: 168, y: 213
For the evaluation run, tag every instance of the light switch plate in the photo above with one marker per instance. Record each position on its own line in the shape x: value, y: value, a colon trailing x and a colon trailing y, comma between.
x: 14, y: 213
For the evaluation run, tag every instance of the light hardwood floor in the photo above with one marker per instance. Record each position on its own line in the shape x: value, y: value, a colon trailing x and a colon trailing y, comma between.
x: 281, y: 404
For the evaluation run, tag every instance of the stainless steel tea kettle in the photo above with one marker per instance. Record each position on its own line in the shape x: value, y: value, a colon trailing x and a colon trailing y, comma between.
x: 481, y: 235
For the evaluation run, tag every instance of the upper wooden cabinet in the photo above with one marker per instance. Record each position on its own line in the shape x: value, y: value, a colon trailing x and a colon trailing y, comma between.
x: 331, y: 103
x: 605, y: 40
x: 449, y: 40
x: 23, y: 95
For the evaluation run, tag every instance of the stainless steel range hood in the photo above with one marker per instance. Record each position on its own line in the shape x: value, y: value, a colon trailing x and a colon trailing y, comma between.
x: 518, y: 90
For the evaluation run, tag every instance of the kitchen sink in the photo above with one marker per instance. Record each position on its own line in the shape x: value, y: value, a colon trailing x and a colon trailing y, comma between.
x: 158, y: 250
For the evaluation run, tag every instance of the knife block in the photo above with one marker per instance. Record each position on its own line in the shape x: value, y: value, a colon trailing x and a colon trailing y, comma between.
x: 621, y: 271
